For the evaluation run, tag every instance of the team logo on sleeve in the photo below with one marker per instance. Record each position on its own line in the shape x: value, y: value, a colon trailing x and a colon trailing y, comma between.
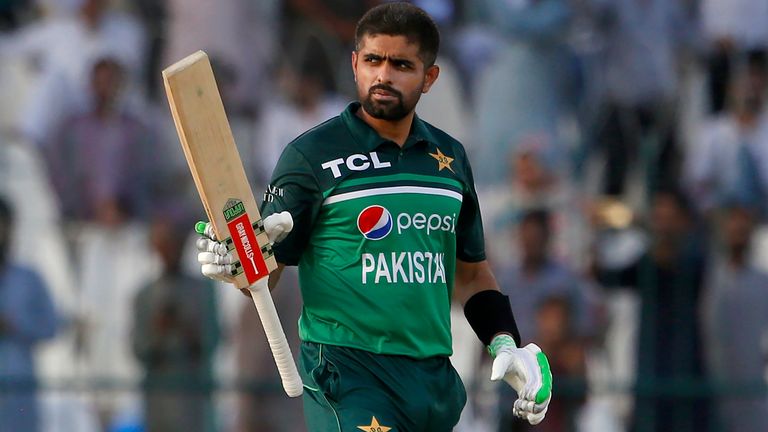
x: 374, y: 222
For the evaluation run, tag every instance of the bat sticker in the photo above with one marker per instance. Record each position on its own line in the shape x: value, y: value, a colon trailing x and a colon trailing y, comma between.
x: 244, y: 239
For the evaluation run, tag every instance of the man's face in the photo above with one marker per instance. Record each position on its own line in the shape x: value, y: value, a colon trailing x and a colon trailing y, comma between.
x: 668, y: 218
x: 737, y: 228
x: 390, y: 76
x: 106, y: 82
x: 533, y: 239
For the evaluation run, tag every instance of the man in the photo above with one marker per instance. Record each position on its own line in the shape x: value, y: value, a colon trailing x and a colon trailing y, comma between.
x: 668, y: 280
x: 735, y: 320
x: 98, y: 159
x: 538, y: 275
x: 544, y: 292
x: 386, y: 224
x: 174, y: 336
x: 27, y: 317
x: 730, y: 158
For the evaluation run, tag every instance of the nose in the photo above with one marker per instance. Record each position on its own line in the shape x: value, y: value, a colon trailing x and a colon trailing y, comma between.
x: 385, y: 74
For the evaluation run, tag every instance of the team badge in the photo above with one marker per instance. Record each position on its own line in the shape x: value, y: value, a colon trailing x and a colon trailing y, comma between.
x: 374, y: 427
x: 374, y: 222
x: 443, y: 161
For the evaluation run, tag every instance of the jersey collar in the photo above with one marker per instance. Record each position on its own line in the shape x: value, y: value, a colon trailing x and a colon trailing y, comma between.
x: 370, y: 139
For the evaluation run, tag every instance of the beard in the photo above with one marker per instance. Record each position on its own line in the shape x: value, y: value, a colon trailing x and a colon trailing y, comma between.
x: 389, y: 110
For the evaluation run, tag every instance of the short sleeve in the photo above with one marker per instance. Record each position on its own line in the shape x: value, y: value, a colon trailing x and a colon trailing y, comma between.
x: 470, y: 243
x: 293, y: 188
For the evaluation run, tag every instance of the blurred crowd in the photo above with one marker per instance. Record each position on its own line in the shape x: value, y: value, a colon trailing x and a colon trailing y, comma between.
x: 621, y: 156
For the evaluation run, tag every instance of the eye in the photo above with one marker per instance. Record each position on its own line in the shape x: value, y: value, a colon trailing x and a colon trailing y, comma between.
x: 403, y: 65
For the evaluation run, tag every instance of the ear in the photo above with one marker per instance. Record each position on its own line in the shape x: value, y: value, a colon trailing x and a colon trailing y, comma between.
x: 430, y: 76
x: 354, y: 64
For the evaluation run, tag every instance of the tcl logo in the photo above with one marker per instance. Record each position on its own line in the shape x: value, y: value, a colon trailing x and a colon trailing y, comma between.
x: 355, y: 162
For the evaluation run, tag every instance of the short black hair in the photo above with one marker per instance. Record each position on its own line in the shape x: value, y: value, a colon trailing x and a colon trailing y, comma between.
x: 540, y: 217
x: 679, y: 197
x: 401, y: 19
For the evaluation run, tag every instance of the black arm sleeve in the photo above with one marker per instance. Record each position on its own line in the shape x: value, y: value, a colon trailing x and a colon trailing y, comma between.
x: 489, y: 313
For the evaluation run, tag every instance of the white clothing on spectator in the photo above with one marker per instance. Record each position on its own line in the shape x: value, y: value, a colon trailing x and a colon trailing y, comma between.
x: 65, y: 49
x: 241, y: 34
x: 711, y: 169
x: 735, y: 309
x: 743, y: 21
x: 282, y: 122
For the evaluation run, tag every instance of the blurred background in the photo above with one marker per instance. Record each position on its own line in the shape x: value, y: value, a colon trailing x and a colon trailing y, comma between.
x: 620, y: 150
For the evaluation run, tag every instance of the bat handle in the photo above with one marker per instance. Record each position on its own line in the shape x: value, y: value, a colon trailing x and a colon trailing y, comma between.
x: 276, y: 338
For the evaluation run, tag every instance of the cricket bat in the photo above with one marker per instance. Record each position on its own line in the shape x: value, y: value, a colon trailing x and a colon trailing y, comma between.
x: 214, y: 161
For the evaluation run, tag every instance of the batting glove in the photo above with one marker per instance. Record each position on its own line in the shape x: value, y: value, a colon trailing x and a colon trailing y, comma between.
x: 216, y: 262
x: 527, y: 371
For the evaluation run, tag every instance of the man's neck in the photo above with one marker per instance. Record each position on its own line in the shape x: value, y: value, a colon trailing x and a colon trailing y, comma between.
x: 532, y: 265
x: 395, y: 130
x: 106, y: 109
x: 747, y: 119
x: 737, y: 257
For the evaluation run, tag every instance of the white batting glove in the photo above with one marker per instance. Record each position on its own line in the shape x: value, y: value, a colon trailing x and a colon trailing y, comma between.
x: 216, y: 262
x: 527, y: 371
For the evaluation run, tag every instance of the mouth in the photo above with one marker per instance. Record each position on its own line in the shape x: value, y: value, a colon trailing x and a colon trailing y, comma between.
x: 383, y: 94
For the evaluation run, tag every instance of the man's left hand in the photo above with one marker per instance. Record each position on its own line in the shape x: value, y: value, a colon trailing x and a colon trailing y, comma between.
x: 527, y: 371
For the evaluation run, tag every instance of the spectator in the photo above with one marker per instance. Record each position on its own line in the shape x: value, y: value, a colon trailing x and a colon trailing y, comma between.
x: 735, y: 323
x: 175, y: 331
x: 62, y: 49
x: 305, y: 102
x: 102, y: 165
x: 529, y: 285
x: 732, y: 30
x: 730, y: 156
x: 521, y: 92
x: 27, y: 317
x: 538, y: 276
x: 668, y: 278
x: 154, y: 15
x: 328, y: 28
x: 537, y: 182
x: 636, y: 76
x: 259, y: 407
x: 243, y: 34
x: 99, y: 159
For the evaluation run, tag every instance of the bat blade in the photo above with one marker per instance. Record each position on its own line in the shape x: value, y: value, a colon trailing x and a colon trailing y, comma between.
x: 215, y: 164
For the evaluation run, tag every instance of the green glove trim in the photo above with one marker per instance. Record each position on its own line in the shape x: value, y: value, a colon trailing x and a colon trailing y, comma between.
x: 546, y: 379
x: 499, y: 342
x: 506, y: 341
x: 200, y: 227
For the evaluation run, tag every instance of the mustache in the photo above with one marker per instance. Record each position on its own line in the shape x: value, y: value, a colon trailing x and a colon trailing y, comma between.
x: 385, y: 88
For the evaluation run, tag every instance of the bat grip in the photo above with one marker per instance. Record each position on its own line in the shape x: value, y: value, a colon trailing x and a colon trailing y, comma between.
x: 276, y: 338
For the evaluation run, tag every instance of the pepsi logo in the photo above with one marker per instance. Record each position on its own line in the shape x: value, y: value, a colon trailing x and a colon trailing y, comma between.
x: 374, y: 222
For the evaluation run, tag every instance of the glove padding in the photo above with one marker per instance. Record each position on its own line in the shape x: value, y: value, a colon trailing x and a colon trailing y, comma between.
x: 527, y: 371
x: 216, y: 262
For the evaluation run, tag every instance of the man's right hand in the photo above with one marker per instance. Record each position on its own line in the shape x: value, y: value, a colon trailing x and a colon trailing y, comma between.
x: 216, y: 262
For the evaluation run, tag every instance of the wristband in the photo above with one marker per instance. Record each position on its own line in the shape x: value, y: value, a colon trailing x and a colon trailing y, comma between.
x: 489, y: 313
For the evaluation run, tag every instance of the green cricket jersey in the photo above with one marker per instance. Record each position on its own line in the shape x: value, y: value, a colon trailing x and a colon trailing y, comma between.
x: 377, y: 230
